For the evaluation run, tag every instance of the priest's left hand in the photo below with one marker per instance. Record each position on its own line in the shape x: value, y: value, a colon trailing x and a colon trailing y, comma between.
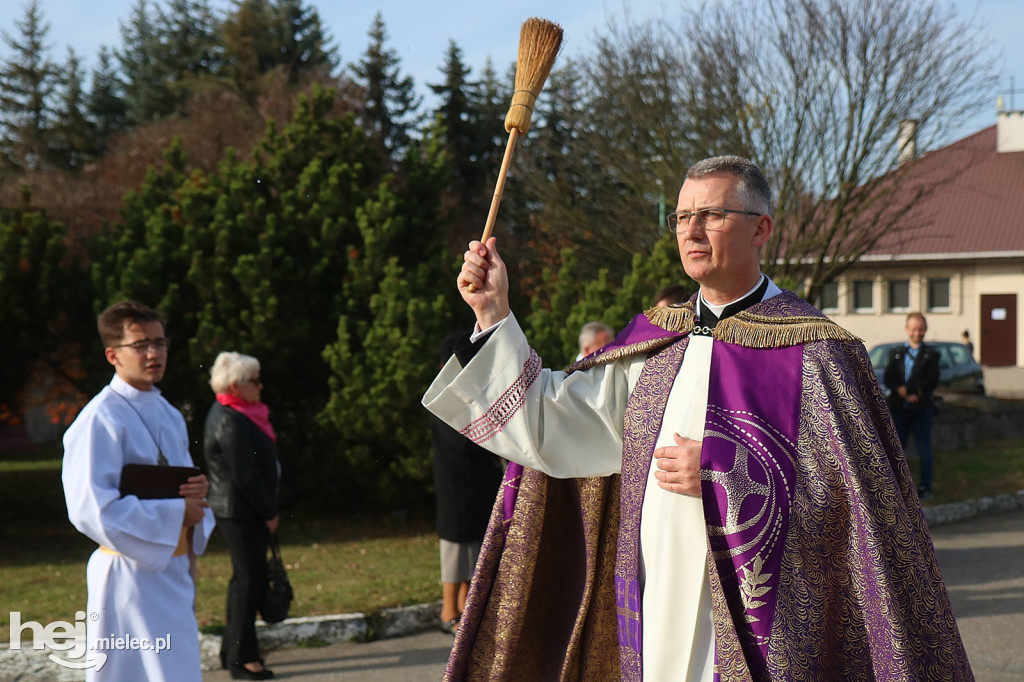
x: 679, y: 466
x: 197, y: 486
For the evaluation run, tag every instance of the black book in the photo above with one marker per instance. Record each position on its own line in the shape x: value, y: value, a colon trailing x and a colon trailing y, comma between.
x: 154, y: 481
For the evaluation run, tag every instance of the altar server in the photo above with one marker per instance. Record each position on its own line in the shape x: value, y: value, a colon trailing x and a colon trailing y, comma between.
x: 141, y: 587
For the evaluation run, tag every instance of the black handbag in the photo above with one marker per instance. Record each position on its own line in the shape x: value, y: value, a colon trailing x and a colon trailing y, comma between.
x: 278, y: 598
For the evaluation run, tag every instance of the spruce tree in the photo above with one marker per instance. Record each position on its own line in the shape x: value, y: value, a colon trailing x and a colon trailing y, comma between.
x: 262, y: 37
x: 145, y: 92
x: 74, y: 140
x: 191, y: 41
x: 460, y: 119
x: 166, y: 57
x: 389, y: 108
x: 306, y: 49
x: 106, y: 105
x: 27, y: 82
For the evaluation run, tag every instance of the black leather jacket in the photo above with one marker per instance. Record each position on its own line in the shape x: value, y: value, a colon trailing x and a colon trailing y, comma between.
x: 242, y: 464
x: 924, y: 377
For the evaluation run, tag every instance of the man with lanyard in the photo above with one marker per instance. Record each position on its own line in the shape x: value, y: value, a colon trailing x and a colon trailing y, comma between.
x: 141, y: 585
x: 763, y: 526
x: 911, y: 374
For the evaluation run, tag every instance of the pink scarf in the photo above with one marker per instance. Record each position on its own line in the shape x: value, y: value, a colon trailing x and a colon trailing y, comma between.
x: 258, y: 413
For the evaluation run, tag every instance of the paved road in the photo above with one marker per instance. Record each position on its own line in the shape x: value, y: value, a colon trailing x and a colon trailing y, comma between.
x: 982, y: 560
x: 415, y: 658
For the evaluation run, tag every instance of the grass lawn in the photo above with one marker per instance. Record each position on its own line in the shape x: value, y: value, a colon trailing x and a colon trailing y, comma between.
x: 335, y: 565
x: 991, y: 468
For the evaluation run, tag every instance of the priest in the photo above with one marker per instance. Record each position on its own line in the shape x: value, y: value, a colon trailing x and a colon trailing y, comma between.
x: 719, y: 494
x: 140, y: 580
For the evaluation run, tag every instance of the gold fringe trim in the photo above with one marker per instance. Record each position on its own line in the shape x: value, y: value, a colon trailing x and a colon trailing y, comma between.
x: 751, y: 330
x: 624, y: 351
x: 677, y: 317
x: 742, y: 329
x: 758, y: 331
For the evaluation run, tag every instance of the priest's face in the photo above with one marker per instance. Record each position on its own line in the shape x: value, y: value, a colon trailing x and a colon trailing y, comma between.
x: 140, y: 359
x: 721, y: 257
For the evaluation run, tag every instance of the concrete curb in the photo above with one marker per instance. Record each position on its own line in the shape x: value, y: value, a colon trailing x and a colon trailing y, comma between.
x: 940, y: 514
x: 31, y: 665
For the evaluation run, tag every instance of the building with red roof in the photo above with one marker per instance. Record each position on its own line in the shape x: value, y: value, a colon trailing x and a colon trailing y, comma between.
x: 962, y: 262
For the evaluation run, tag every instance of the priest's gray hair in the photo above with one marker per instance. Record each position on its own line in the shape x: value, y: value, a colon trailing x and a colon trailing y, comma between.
x: 754, y: 190
x: 232, y: 368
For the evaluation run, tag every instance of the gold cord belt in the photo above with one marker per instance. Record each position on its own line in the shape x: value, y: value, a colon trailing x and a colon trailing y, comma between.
x: 181, y: 549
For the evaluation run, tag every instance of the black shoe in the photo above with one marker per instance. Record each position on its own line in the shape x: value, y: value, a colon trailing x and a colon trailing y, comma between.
x: 924, y: 494
x: 240, y: 672
x: 449, y: 626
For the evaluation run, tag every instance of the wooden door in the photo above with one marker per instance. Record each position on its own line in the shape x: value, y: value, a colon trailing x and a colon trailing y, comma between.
x: 999, y: 329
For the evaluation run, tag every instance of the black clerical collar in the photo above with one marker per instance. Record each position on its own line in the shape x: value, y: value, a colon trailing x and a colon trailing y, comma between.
x: 707, y: 319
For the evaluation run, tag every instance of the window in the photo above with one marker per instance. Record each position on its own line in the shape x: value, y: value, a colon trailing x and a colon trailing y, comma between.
x: 938, y: 294
x: 959, y: 355
x: 863, y: 296
x: 830, y: 297
x: 899, y: 295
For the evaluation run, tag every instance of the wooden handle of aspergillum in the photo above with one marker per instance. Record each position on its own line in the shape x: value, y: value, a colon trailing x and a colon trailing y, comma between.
x: 499, y: 188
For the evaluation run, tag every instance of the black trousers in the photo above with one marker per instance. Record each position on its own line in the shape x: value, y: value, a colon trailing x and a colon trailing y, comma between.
x: 247, y: 543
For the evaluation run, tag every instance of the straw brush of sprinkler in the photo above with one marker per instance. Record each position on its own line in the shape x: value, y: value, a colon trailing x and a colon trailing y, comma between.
x: 539, y: 42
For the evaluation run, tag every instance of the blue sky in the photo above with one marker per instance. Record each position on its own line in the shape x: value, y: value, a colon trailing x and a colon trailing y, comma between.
x: 419, y: 30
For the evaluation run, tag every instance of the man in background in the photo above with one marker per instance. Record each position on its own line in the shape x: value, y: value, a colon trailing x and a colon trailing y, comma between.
x: 911, y: 374
x: 594, y: 335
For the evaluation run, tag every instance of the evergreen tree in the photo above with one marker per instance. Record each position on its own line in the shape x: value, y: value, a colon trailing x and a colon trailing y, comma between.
x: 143, y: 257
x: 35, y: 290
x: 165, y: 59
x: 400, y: 305
x: 271, y: 240
x: 145, y: 92
x: 462, y: 137
x: 305, y: 46
x: 27, y: 82
x: 251, y: 48
x: 74, y: 141
x: 389, y: 109
x: 106, y: 104
x: 191, y: 42
x: 262, y: 37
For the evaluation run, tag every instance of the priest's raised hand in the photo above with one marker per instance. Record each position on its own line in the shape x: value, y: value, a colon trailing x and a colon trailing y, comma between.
x: 483, y: 269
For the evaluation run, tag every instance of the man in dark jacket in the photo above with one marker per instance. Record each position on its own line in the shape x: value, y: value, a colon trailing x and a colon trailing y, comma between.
x: 911, y: 375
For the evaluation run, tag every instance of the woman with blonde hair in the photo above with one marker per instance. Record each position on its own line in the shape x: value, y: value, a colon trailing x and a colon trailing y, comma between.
x: 241, y: 456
